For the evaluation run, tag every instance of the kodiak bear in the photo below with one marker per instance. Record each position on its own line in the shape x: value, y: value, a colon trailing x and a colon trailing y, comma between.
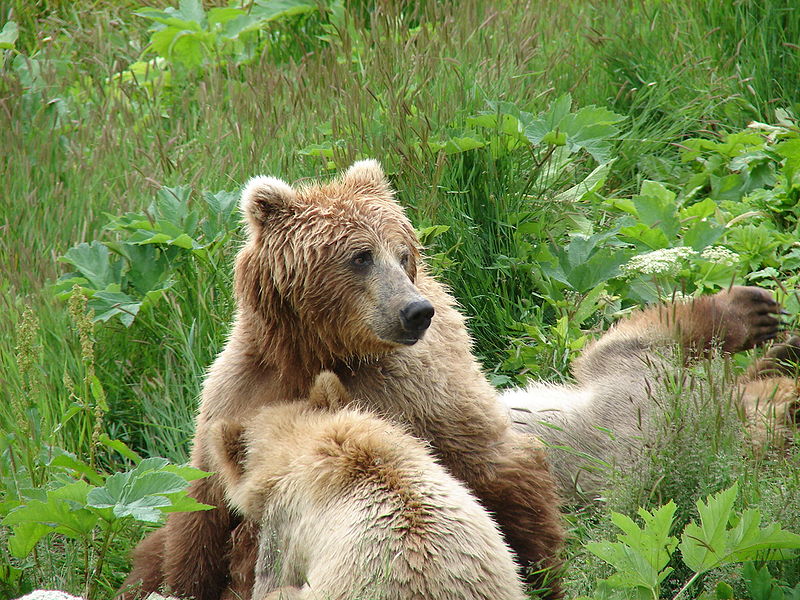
x: 606, y: 416
x: 350, y: 506
x: 331, y: 278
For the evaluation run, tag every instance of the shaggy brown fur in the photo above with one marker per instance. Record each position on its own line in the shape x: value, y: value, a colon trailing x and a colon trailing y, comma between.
x: 331, y: 279
x: 607, y: 413
x: 353, y: 507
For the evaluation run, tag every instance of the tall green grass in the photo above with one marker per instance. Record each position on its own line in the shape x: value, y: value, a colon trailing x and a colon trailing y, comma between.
x: 78, y: 144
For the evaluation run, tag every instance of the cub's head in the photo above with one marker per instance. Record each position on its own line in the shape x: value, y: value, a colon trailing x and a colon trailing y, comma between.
x: 335, y: 262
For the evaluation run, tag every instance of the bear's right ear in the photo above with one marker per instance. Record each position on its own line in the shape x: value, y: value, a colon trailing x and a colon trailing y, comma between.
x: 328, y: 392
x: 263, y: 196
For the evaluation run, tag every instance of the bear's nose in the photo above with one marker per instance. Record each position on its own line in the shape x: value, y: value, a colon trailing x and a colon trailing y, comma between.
x: 416, y: 316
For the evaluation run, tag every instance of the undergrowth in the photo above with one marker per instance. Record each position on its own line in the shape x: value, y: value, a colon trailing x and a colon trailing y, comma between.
x: 563, y: 163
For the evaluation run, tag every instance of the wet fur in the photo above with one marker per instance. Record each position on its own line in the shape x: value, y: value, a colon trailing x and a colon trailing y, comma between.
x: 300, y: 311
x: 607, y: 413
x: 351, y: 506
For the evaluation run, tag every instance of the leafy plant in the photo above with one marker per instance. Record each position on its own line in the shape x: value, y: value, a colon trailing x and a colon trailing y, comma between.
x: 642, y: 555
x: 190, y: 37
x: 124, y: 277
x: 92, y: 508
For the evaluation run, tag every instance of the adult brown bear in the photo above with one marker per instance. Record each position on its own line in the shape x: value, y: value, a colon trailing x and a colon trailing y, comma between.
x: 331, y: 279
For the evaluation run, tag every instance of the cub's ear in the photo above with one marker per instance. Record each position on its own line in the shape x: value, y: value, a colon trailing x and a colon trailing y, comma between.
x: 262, y: 197
x: 328, y: 393
x: 368, y: 174
x: 229, y: 449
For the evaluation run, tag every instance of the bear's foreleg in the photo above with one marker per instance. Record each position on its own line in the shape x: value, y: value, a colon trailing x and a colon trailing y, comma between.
x: 188, y: 556
x: 521, y: 496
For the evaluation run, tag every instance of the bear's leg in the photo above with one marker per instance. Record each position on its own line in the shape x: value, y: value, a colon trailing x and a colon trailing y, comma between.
x: 735, y: 319
x: 198, y: 544
x: 147, y: 575
x: 243, y: 556
x: 521, y: 496
x: 781, y: 360
x: 770, y: 394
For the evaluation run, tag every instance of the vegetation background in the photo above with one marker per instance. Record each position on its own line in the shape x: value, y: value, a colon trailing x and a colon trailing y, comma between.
x: 564, y: 162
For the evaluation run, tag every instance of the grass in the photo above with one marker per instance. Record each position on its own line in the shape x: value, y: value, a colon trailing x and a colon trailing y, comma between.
x: 78, y: 145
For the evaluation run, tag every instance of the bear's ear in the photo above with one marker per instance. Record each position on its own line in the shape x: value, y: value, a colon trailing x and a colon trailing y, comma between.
x: 264, y: 196
x: 228, y: 444
x: 328, y: 393
x: 368, y: 174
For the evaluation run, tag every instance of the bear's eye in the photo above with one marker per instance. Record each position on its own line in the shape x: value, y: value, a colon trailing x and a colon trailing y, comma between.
x: 362, y: 259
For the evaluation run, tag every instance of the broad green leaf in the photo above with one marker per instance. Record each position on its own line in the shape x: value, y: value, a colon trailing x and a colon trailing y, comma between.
x: 110, y: 304
x: 591, y: 183
x: 700, y: 210
x: 588, y: 305
x: 702, y: 234
x: 25, y: 537
x: 427, y: 234
x: 656, y: 207
x: 94, y: 263
x: 221, y: 15
x: 63, y: 512
x: 713, y: 544
x: 271, y: 10
x: 456, y: 145
x: 191, y: 10
x: 185, y: 503
x: 171, y: 20
x: 187, y: 472
x: 9, y: 35
x: 172, y: 204
x: 647, y: 236
x: 760, y: 584
x: 144, y: 509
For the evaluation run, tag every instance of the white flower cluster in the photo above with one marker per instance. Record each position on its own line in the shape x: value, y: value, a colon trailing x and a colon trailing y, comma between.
x: 666, y: 261
x: 720, y: 255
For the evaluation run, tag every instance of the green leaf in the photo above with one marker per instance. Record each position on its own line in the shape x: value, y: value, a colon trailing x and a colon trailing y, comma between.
x: 140, y: 493
x: 656, y: 208
x: 187, y: 472
x: 147, y: 266
x: 591, y: 183
x: 98, y: 393
x: 120, y: 447
x: 93, y: 262
x: 760, y: 584
x: 427, y: 234
x: 63, y: 512
x: 713, y: 544
x: 271, y: 10
x: 9, y: 35
x: 191, y: 10
x: 646, y: 236
x: 185, y: 503
x: 110, y: 304
x: 555, y: 138
x: 25, y: 537
x: 702, y: 234
x: 71, y: 462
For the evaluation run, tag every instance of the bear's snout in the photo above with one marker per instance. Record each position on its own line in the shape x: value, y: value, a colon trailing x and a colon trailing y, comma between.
x: 416, y: 316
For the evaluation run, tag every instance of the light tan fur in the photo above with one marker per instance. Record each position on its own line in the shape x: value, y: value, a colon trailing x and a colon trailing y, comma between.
x: 353, y: 507
x: 304, y: 307
x: 604, y: 419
